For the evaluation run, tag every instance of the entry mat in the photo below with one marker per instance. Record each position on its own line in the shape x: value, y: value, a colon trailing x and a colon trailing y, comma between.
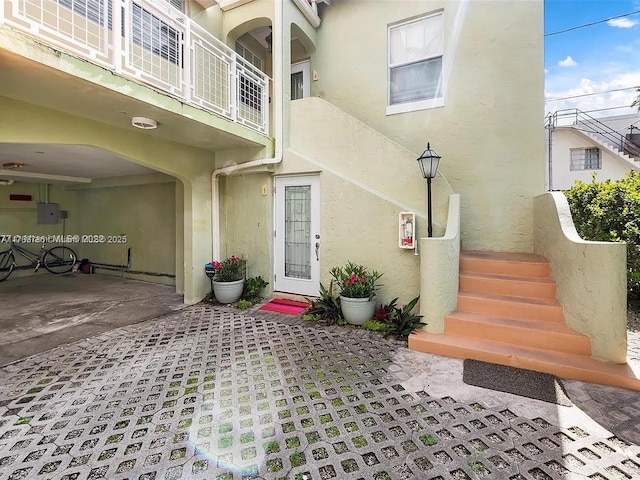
x: 526, y: 383
x: 285, y: 306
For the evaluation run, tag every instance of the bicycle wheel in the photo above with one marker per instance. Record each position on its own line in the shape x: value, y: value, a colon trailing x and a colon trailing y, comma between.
x: 7, y: 262
x: 59, y: 259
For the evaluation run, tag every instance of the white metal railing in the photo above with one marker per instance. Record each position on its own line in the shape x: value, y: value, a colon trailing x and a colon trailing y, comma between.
x: 154, y: 43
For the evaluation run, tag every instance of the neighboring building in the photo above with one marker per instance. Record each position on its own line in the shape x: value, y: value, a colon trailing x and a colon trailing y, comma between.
x: 579, y: 145
x: 381, y: 79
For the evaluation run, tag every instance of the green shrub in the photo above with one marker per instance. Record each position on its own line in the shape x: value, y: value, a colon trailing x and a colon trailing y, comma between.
x: 252, y: 289
x: 375, y: 325
x: 243, y: 304
x: 327, y: 307
x: 609, y: 211
x: 401, y: 321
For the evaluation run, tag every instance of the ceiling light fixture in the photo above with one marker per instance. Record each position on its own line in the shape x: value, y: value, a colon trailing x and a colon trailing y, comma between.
x: 9, y: 165
x: 144, y: 123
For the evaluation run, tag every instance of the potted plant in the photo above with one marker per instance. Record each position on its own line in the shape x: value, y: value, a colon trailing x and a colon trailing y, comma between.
x: 227, y: 278
x: 357, y: 292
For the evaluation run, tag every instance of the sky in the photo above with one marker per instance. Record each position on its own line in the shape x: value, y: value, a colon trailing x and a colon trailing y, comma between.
x: 593, y: 59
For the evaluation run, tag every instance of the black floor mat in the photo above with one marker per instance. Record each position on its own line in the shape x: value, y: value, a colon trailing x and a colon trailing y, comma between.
x: 526, y: 383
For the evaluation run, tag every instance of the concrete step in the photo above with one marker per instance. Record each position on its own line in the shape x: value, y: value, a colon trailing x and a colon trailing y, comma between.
x: 564, y: 365
x: 504, y: 263
x: 506, y: 306
x: 536, y: 287
x: 526, y: 333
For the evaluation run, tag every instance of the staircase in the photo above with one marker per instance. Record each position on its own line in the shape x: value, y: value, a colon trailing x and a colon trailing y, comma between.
x: 508, y: 314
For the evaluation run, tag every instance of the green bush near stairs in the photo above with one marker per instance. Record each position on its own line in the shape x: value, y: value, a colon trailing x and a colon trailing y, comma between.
x: 609, y: 211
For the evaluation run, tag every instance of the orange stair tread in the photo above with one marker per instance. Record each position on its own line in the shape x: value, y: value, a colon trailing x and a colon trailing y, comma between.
x: 503, y: 256
x: 565, y: 365
x: 511, y: 298
x: 543, y: 325
x: 512, y: 278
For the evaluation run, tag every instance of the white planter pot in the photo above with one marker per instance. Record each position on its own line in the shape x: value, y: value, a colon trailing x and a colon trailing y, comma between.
x: 228, y: 292
x: 356, y: 311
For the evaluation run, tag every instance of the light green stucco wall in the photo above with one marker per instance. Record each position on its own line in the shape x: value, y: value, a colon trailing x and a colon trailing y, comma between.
x: 246, y: 222
x: 591, y: 278
x: 144, y: 213
x: 489, y: 133
x: 366, y: 180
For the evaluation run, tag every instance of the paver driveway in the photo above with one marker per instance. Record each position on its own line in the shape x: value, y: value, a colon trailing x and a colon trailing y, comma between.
x: 214, y: 393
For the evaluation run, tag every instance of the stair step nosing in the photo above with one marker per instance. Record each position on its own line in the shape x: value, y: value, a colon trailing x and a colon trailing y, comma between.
x: 508, y: 322
x: 516, y: 299
x: 507, y: 278
x: 460, y: 341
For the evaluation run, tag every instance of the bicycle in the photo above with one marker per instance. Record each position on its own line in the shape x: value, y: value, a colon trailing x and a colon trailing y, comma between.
x: 56, y: 260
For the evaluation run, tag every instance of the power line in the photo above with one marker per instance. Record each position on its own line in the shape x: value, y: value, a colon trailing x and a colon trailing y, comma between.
x: 590, y: 94
x: 592, y: 23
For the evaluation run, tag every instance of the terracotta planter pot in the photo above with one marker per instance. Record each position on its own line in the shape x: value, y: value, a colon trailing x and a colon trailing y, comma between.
x: 356, y: 311
x: 228, y: 292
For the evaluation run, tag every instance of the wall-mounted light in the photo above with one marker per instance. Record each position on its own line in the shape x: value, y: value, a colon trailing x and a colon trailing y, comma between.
x: 144, y: 123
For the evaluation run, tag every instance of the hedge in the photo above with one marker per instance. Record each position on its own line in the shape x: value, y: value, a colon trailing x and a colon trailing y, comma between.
x: 610, y: 211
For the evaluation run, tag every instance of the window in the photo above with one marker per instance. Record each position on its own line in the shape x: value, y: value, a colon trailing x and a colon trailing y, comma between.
x: 585, y: 159
x: 152, y: 34
x: 416, y: 51
x: 91, y: 9
x: 149, y: 31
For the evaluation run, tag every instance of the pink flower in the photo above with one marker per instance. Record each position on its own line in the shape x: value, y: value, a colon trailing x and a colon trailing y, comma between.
x: 363, y: 280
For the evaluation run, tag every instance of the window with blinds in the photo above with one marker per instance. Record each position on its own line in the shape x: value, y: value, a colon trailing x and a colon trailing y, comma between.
x: 585, y: 159
x: 149, y: 32
x: 415, y: 63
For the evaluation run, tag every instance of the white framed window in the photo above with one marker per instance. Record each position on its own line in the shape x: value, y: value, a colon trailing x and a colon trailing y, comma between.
x: 415, y: 64
x: 585, y: 159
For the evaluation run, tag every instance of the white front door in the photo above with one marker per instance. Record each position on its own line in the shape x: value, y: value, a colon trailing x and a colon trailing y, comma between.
x: 297, y: 235
x: 300, y: 80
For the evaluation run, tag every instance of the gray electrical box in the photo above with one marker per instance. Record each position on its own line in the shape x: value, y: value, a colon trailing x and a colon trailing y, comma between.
x: 47, y: 213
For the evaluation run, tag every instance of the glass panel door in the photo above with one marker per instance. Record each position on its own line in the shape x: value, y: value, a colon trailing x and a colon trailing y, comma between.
x: 297, y: 236
x: 297, y: 231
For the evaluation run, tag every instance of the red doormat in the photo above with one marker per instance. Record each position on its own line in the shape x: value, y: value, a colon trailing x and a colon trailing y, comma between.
x: 285, y: 306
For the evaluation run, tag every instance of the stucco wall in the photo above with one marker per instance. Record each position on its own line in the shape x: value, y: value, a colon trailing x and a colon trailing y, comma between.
x: 144, y: 213
x: 490, y: 131
x: 562, y: 141
x: 590, y: 276
x: 439, y: 271
x: 245, y: 224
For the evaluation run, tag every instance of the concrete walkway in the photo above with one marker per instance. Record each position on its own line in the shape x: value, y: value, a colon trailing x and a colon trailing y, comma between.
x: 43, y: 311
x: 215, y: 393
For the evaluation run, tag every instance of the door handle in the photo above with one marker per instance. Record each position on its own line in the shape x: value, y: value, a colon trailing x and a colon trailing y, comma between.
x: 318, y: 251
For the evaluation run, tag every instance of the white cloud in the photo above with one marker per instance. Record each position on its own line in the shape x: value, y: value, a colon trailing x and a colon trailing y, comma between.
x: 567, y: 62
x: 611, y: 103
x: 622, y: 23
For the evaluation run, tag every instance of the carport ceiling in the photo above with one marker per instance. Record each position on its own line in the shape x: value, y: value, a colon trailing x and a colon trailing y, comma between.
x: 54, y: 163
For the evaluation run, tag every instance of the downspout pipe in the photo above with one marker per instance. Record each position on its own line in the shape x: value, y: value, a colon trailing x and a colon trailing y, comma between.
x: 278, y: 92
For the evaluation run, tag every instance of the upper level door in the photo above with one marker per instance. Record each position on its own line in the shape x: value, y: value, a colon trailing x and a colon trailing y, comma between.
x: 300, y: 80
x: 297, y: 240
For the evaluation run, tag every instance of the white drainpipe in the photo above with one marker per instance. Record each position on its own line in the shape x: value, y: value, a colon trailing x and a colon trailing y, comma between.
x: 278, y: 91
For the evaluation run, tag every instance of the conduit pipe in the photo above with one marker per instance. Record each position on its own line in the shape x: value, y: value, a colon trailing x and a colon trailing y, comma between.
x: 278, y: 92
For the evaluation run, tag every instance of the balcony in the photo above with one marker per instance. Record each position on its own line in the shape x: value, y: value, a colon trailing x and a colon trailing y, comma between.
x: 154, y: 44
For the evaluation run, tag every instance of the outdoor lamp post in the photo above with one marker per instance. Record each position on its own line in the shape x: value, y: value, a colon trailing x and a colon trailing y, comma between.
x: 428, y: 162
